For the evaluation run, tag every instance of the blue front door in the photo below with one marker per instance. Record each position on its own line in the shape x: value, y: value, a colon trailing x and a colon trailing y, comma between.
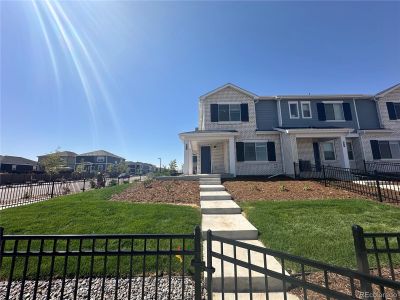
x: 205, y: 159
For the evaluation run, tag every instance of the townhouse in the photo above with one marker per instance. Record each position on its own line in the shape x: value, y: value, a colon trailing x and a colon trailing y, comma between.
x: 240, y: 133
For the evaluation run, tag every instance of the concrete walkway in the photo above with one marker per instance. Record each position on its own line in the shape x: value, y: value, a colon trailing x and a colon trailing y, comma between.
x: 223, y: 216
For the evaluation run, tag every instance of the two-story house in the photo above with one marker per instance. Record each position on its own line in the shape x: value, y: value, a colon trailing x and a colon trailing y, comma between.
x: 97, y: 160
x: 68, y: 157
x: 240, y: 133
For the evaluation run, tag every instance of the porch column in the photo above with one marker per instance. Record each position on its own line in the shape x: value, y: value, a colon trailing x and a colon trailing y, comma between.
x: 345, y: 163
x: 190, y: 158
x: 232, y: 159
x: 290, y: 153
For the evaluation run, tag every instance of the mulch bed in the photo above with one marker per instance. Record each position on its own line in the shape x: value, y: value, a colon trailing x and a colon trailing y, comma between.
x: 246, y: 190
x: 157, y: 191
x: 342, y: 284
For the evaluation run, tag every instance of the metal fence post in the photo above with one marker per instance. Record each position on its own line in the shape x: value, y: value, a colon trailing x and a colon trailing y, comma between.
x: 210, y: 269
x: 52, y: 190
x: 84, y: 181
x: 362, y: 259
x: 378, y: 187
x: 1, y: 245
x: 294, y: 169
x: 323, y: 174
x: 197, y: 263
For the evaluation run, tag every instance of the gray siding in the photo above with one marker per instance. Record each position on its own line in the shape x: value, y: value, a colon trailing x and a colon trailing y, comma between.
x: 266, y: 115
x: 314, y: 122
x: 367, y: 114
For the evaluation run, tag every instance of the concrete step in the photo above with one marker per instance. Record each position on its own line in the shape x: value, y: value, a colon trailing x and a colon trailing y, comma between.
x: 202, y: 176
x: 233, y: 226
x: 207, y: 182
x: 242, y: 274
x: 255, y: 296
x: 211, y: 187
x: 210, y: 178
x: 219, y: 207
x: 215, y: 195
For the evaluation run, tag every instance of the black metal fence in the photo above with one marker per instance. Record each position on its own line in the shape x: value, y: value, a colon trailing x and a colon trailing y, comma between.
x: 309, y: 279
x: 382, y: 167
x: 20, y: 194
x: 381, y: 186
x: 377, y: 253
x: 25, y: 178
x: 118, y: 266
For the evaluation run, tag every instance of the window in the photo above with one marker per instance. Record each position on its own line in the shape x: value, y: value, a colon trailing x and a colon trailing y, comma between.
x: 101, y: 159
x: 255, y: 151
x: 389, y: 149
x: 229, y: 112
x: 334, y: 112
x: 100, y: 167
x: 328, y: 148
x: 397, y: 110
x: 350, y: 150
x: 14, y: 167
x: 294, y: 110
x: 306, y: 110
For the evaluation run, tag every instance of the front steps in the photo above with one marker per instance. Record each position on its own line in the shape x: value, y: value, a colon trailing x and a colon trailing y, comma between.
x: 223, y: 217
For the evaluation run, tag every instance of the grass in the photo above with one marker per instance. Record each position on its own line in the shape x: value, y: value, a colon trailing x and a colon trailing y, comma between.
x: 92, y: 213
x: 319, y: 230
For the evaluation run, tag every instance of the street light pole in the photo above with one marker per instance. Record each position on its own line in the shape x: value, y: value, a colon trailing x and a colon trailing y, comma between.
x: 160, y: 163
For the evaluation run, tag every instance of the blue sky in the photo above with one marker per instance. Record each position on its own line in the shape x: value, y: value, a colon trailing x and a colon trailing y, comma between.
x: 126, y: 77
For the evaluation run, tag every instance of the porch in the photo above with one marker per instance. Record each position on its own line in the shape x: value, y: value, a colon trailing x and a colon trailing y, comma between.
x: 209, y: 152
x: 337, y: 147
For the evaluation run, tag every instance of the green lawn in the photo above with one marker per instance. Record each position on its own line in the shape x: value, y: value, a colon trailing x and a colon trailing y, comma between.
x: 93, y: 212
x: 319, y: 230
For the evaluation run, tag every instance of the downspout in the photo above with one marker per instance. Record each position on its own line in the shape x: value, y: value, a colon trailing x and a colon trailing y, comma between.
x: 379, y: 112
x: 282, y: 155
x: 355, y: 109
x: 278, y: 101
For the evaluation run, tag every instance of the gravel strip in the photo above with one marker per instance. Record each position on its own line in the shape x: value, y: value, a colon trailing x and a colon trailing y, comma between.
x: 109, y: 288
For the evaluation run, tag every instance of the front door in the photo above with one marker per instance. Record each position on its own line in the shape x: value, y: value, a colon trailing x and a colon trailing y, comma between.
x: 317, y: 157
x: 205, y: 159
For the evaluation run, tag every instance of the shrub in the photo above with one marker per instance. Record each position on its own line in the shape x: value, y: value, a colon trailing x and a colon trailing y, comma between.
x: 306, y: 187
x: 147, y: 182
x: 92, y: 183
x: 113, y: 182
x: 282, y: 188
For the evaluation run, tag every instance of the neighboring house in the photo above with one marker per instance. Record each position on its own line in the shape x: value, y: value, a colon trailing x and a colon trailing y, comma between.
x: 241, y: 133
x: 67, y: 156
x: 97, y: 160
x: 140, y: 167
x: 16, y: 164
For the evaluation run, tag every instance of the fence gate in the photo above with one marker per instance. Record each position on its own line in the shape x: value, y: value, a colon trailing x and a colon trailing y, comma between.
x: 237, y: 270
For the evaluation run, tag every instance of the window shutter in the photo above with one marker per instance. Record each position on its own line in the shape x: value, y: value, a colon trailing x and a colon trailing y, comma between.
x: 375, y: 149
x: 214, y: 112
x: 391, y: 110
x: 244, y: 112
x: 347, y: 111
x: 239, y: 151
x: 321, y: 112
x: 271, y: 151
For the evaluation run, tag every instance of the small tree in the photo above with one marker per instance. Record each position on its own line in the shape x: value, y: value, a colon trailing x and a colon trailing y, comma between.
x: 53, y: 163
x: 122, y: 167
x: 80, y: 168
x: 173, y: 165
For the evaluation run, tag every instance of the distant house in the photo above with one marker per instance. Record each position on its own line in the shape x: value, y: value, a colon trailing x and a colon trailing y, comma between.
x: 67, y: 156
x: 140, y: 167
x: 16, y: 164
x: 97, y: 160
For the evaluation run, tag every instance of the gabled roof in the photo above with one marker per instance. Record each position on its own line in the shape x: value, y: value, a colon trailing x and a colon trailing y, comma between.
x: 16, y: 160
x: 230, y: 85
x: 100, y: 153
x: 62, y: 153
x: 387, y: 91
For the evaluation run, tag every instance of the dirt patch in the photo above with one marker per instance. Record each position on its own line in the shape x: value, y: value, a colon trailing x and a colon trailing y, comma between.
x: 342, y: 284
x: 157, y: 191
x: 245, y: 190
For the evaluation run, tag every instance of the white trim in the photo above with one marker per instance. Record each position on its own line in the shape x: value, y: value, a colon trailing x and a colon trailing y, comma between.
x: 385, y: 92
x: 226, y: 86
x: 355, y: 109
x: 279, y: 112
x: 260, y: 132
x: 290, y: 111
x: 331, y: 102
x: 302, y: 112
